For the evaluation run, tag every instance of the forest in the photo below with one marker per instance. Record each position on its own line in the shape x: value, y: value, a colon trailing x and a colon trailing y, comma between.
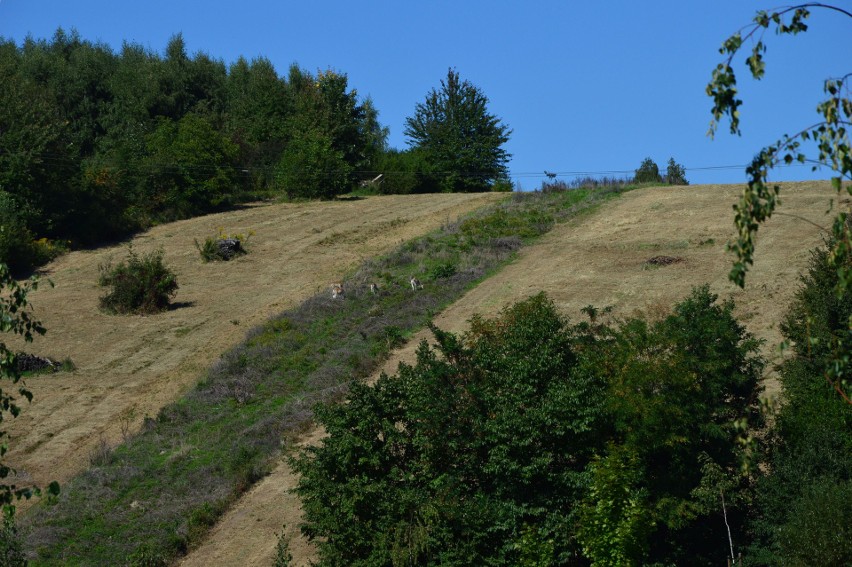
x: 95, y: 145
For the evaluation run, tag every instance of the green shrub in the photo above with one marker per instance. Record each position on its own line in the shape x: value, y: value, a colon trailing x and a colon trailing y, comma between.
x: 442, y: 270
x: 676, y: 173
x: 648, y: 172
x: 283, y: 557
x: 147, y: 555
x: 11, y: 547
x: 139, y: 284
x: 311, y: 168
x: 503, y: 185
x: 802, y: 507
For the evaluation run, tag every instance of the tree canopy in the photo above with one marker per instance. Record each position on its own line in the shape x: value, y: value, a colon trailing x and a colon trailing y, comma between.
x: 531, y: 441
x: 95, y: 144
x: 460, y: 140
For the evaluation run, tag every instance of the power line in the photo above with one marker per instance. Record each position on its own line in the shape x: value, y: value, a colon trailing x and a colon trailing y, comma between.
x: 154, y: 166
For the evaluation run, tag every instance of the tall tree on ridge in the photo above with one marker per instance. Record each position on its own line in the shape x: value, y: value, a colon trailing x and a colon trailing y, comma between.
x: 461, y: 141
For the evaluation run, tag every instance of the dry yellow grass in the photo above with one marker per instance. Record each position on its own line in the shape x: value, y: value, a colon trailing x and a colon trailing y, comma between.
x: 129, y: 367
x: 599, y: 259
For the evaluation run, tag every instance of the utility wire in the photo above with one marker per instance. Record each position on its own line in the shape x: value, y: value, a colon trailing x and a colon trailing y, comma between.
x: 159, y: 166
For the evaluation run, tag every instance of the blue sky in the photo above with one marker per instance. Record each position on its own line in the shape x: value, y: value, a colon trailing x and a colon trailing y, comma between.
x: 592, y: 86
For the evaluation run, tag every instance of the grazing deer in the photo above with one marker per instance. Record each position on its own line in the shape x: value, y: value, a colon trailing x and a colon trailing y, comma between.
x: 337, y: 291
x: 415, y: 284
x: 374, y: 289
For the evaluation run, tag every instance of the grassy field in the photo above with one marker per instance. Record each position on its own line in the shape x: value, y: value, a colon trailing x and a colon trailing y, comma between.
x: 154, y: 496
x: 600, y: 257
x: 218, y: 440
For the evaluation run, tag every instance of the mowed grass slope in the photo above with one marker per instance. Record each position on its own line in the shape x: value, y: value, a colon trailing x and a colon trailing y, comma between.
x: 128, y: 367
x: 598, y: 259
x: 155, y: 495
x: 603, y: 251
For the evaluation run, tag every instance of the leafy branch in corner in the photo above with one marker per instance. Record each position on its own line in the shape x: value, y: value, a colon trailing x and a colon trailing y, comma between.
x: 15, y: 318
x: 830, y: 136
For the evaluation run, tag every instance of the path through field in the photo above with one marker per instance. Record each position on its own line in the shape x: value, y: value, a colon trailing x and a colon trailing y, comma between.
x: 128, y: 367
x: 600, y: 259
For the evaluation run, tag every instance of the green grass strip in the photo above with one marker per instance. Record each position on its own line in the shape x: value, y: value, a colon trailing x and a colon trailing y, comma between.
x: 154, y: 497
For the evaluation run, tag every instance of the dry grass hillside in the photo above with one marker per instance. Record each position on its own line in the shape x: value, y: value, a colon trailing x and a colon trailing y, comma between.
x: 128, y: 367
x: 601, y: 259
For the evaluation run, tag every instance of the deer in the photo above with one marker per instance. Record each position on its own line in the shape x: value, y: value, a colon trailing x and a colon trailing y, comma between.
x: 415, y: 284
x: 374, y: 289
x: 337, y: 291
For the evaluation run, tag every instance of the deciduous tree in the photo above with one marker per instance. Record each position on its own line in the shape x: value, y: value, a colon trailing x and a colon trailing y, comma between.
x: 830, y: 136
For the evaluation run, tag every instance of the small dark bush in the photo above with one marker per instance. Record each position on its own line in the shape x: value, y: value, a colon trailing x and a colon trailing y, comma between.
x: 442, y: 271
x: 223, y: 247
x: 505, y: 243
x: 554, y: 186
x: 676, y: 173
x: 502, y: 186
x: 648, y: 172
x: 11, y: 547
x: 139, y: 284
x: 283, y: 557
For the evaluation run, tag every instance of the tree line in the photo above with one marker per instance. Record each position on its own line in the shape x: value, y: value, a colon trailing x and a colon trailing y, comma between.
x: 96, y: 144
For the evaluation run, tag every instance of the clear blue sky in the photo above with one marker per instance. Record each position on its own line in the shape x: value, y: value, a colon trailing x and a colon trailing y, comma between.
x: 592, y: 86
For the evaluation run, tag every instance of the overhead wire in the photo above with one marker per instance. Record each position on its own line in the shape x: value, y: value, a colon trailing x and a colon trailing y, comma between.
x: 243, y: 170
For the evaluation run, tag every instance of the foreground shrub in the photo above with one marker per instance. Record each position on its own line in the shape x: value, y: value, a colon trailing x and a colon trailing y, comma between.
x: 531, y: 441
x: 139, y: 284
x: 804, y: 503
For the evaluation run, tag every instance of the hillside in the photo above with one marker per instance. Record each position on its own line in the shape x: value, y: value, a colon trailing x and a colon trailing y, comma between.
x: 600, y: 259
x: 127, y: 368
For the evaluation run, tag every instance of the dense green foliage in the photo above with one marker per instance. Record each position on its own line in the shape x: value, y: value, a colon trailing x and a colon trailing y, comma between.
x: 532, y: 441
x: 138, y: 284
x: 458, y: 139
x: 648, y: 172
x: 151, y: 498
x: 804, y: 505
x: 96, y: 144
x: 675, y: 173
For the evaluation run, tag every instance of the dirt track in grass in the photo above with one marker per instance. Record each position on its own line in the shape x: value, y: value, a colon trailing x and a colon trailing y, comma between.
x: 600, y: 259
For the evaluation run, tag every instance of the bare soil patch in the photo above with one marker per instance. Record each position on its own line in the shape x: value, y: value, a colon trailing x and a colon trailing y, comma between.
x: 128, y: 367
x: 598, y: 260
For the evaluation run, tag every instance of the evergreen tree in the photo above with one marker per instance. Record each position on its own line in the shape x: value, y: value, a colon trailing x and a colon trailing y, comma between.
x: 459, y: 139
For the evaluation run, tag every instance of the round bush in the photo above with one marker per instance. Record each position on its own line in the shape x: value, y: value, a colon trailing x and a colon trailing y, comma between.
x: 139, y: 284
